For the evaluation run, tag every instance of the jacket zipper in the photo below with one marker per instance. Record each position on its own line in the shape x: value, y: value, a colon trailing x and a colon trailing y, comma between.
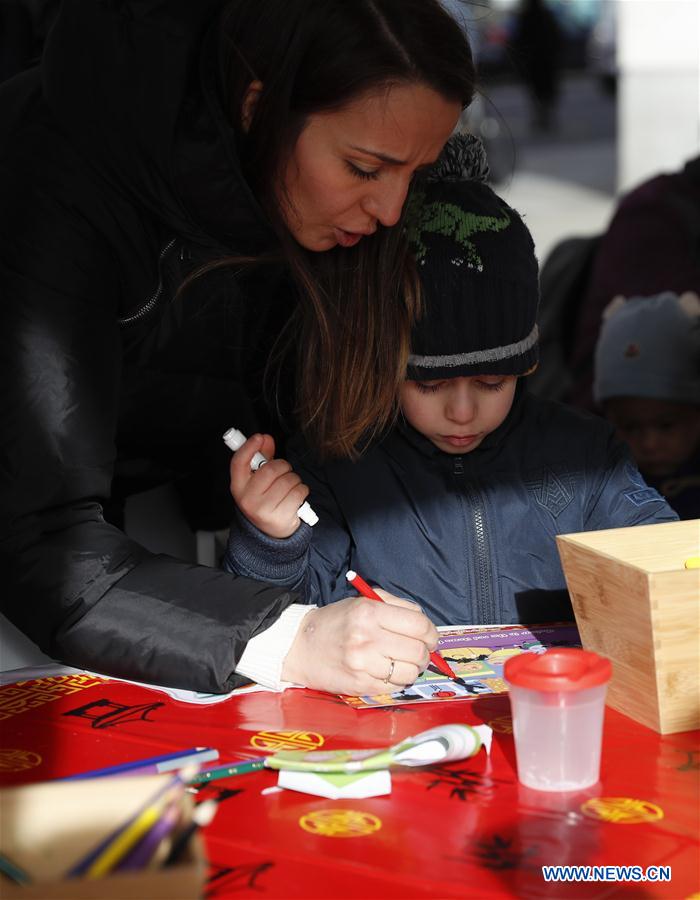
x: 485, y: 603
x: 155, y: 296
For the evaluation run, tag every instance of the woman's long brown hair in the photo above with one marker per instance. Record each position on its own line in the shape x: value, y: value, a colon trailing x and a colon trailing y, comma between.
x: 351, y: 335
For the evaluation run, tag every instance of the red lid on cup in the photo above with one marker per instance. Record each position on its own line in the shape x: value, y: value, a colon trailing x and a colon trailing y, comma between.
x: 558, y: 669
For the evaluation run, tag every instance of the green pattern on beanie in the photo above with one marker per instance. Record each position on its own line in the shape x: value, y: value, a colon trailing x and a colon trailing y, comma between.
x: 450, y: 221
x: 477, y: 268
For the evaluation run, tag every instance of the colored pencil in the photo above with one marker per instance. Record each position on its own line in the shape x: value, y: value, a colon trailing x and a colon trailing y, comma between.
x: 201, y: 817
x: 124, y: 842
x: 152, y: 765
x: 436, y: 659
x: 143, y: 853
x: 13, y: 872
x: 160, y: 798
x: 234, y: 768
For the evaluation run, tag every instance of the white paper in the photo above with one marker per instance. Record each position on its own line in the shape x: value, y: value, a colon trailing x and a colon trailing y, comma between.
x: 337, y: 787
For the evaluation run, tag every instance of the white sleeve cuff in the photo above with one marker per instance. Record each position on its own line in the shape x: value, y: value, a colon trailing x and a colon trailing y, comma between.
x: 265, y: 653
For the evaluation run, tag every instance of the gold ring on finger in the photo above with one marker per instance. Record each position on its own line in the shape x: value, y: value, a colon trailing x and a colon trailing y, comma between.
x: 392, y: 663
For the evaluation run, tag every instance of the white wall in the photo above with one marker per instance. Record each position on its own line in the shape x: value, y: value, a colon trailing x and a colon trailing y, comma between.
x: 659, y: 87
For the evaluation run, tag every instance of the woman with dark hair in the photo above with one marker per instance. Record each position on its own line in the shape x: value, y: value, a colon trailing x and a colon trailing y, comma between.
x: 195, y: 195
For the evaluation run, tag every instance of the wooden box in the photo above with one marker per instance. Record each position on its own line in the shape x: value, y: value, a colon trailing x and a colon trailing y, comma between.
x: 43, y: 827
x: 637, y: 604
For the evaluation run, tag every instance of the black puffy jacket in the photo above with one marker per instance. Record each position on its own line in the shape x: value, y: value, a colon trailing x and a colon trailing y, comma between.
x: 118, y: 175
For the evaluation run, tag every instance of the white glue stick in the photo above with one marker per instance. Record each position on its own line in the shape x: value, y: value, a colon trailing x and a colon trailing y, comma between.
x: 234, y: 440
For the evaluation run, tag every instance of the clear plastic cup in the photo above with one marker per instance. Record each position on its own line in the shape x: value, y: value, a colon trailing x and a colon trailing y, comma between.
x: 558, y: 701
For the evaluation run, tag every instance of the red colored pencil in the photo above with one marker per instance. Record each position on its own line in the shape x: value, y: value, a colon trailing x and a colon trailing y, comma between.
x: 363, y: 588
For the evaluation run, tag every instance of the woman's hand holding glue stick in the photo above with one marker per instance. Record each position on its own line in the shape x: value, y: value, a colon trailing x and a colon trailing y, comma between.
x: 272, y: 500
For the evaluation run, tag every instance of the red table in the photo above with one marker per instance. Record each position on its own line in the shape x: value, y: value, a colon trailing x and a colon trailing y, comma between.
x: 464, y: 829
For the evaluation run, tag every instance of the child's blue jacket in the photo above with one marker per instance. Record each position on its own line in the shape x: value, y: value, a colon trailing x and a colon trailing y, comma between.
x: 470, y: 537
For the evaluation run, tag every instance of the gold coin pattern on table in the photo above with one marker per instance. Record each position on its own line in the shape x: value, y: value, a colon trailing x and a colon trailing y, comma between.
x: 340, y: 823
x: 287, y: 740
x: 18, y: 698
x: 621, y: 810
x: 18, y: 760
x: 501, y: 724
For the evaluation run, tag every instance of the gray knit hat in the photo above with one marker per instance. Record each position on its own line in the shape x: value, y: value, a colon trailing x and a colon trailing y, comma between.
x: 650, y: 347
x: 477, y: 266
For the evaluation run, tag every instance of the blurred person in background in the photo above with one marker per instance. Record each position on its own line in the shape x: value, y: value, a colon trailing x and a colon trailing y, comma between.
x: 647, y: 382
x: 652, y: 245
x: 537, y: 50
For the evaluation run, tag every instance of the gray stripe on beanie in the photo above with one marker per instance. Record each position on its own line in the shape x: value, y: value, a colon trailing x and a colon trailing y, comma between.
x: 494, y: 354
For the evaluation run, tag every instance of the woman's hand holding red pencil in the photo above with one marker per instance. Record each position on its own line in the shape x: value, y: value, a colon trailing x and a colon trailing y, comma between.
x: 363, y: 588
x: 359, y: 647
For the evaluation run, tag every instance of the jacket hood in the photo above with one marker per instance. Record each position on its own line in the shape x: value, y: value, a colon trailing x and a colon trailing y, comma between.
x: 133, y: 84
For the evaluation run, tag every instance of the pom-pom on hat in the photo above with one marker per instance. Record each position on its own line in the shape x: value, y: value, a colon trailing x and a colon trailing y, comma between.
x: 476, y: 262
x: 650, y: 347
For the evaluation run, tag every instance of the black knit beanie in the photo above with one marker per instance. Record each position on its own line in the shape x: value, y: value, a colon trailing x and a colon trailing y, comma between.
x: 477, y: 265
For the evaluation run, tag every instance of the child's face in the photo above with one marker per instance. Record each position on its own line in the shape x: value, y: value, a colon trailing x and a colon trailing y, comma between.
x: 456, y: 414
x: 661, y: 434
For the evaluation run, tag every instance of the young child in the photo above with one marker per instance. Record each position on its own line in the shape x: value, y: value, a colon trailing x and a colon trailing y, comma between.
x: 459, y: 505
x: 647, y: 382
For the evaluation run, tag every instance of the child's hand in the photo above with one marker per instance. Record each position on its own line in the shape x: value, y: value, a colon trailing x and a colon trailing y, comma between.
x: 270, y: 496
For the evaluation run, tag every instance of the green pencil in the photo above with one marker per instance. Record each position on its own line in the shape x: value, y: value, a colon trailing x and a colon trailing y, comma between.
x: 238, y: 768
x: 13, y: 872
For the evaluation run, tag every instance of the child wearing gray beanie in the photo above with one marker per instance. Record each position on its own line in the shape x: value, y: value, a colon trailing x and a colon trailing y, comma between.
x: 647, y: 382
x: 458, y: 506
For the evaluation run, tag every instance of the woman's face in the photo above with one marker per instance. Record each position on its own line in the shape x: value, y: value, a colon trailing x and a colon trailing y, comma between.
x: 351, y: 168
